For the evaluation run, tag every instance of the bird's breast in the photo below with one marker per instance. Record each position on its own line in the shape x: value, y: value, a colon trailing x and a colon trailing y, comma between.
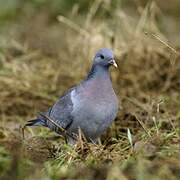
x: 97, y: 101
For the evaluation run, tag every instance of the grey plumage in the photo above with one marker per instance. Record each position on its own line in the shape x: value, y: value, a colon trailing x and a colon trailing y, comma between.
x: 91, y: 106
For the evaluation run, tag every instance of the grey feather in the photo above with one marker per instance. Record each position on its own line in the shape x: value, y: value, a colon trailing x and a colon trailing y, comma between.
x: 60, y: 112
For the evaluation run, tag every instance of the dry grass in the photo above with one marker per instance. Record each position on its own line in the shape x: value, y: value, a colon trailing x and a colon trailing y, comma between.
x: 40, y: 59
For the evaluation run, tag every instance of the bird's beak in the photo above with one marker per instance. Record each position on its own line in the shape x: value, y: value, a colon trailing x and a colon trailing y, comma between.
x: 113, y: 62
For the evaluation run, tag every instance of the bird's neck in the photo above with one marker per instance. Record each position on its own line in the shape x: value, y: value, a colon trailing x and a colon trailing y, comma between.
x: 98, y: 71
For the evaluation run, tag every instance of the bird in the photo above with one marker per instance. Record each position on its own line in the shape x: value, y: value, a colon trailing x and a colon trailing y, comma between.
x: 91, y: 106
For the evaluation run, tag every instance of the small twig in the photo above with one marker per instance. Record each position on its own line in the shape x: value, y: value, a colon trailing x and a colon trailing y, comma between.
x: 137, y: 103
x: 129, y: 137
x: 72, y: 25
x: 164, y: 43
x: 92, y: 12
x: 57, y: 125
x: 21, y: 128
x: 142, y: 125
x: 27, y: 56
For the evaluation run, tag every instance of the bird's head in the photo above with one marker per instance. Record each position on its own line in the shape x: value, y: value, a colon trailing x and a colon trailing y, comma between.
x: 104, y: 57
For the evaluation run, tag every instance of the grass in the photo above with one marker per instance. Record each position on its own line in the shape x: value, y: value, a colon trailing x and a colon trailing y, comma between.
x: 41, y: 57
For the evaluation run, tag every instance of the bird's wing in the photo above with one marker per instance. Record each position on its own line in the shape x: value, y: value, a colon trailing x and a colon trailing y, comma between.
x: 60, y: 112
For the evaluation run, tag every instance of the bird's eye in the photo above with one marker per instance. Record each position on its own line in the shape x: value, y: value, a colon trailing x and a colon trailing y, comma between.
x: 101, y: 56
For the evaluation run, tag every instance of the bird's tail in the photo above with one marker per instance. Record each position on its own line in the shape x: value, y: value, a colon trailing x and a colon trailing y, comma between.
x: 36, y: 122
